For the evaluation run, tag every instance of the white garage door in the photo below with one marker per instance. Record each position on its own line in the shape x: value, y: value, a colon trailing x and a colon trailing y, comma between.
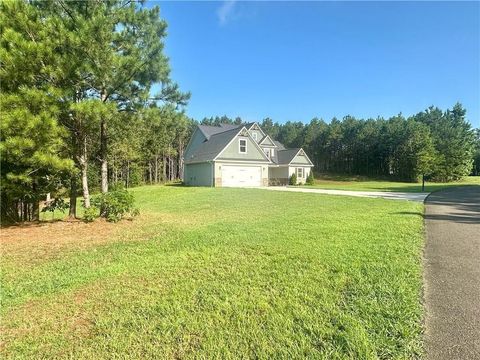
x: 237, y: 176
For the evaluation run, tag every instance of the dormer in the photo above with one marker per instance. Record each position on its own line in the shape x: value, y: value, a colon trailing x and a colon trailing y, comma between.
x: 256, y: 132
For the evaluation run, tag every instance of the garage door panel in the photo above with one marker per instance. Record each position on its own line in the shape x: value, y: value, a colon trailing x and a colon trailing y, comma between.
x: 240, y: 176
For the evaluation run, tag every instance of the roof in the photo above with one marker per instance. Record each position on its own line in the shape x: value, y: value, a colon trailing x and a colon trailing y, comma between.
x: 208, y: 150
x: 286, y: 156
x: 218, y: 137
x: 280, y: 146
x: 208, y: 130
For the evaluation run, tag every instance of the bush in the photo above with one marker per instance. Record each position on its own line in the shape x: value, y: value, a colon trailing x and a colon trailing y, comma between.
x: 310, y: 179
x: 91, y: 213
x: 115, y: 205
x: 56, y: 204
x: 293, y: 179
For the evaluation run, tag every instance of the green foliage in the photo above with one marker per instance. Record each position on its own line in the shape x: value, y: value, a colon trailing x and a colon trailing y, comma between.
x: 310, y: 178
x: 293, y: 179
x: 91, y: 213
x: 476, y: 156
x: 115, y: 204
x: 68, y: 70
x: 434, y: 142
x: 56, y: 204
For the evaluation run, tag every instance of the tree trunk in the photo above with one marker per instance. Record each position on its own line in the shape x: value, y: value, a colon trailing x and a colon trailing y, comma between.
x: 103, y: 156
x: 35, y: 204
x: 24, y: 209
x: 150, y: 172
x: 84, y: 167
x: 103, y: 149
x: 72, y: 212
x: 127, y: 177
x: 156, y: 169
x: 164, y: 170
x: 180, y: 160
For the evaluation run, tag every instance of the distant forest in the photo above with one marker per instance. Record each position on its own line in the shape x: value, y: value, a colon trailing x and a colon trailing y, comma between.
x: 438, y: 144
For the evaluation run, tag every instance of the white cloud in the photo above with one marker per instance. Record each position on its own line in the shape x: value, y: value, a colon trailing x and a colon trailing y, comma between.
x: 224, y: 11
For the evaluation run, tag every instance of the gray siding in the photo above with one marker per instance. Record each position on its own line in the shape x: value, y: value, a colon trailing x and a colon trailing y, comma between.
x: 259, y: 134
x: 198, y: 174
x: 197, y: 139
x: 300, y: 159
x: 232, y: 151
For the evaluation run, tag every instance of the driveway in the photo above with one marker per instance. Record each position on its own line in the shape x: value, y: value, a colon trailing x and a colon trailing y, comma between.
x: 452, y: 274
x: 420, y: 197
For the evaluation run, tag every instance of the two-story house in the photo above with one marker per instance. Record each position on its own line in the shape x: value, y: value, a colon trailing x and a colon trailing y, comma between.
x: 240, y: 156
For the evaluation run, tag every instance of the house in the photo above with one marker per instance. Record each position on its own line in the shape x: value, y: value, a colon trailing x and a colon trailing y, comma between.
x: 241, y: 155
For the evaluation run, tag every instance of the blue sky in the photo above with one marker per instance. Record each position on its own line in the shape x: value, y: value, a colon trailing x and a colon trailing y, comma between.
x: 299, y: 60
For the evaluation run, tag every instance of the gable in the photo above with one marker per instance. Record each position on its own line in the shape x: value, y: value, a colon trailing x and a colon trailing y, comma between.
x: 267, y: 141
x: 256, y: 132
x: 196, y: 140
x: 301, y: 158
x: 232, y: 150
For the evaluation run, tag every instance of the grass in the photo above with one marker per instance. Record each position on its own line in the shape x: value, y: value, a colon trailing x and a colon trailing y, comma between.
x: 219, y: 273
x: 366, y: 184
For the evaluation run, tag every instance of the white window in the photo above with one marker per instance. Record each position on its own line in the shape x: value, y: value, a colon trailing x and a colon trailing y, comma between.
x: 299, y: 172
x: 254, y: 136
x: 242, y: 146
x: 272, y: 153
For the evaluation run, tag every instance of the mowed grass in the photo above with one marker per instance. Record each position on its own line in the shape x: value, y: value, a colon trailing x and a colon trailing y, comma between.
x: 365, y: 184
x: 221, y: 273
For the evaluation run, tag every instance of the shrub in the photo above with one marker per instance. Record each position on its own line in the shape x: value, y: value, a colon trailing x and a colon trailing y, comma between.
x: 115, y: 205
x: 91, y: 213
x: 56, y: 204
x: 293, y: 179
x: 310, y: 179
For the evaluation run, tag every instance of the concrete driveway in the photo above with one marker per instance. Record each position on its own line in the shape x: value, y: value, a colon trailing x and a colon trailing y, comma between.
x: 420, y: 197
x: 452, y: 274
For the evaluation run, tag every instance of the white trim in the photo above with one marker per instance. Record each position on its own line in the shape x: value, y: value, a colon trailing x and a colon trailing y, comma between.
x: 297, y: 172
x: 304, y: 153
x: 264, y: 138
x: 240, y: 146
x: 245, y: 162
x: 258, y: 126
x: 233, y: 139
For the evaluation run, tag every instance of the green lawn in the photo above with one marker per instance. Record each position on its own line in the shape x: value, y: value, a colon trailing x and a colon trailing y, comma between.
x: 220, y: 273
x: 365, y: 184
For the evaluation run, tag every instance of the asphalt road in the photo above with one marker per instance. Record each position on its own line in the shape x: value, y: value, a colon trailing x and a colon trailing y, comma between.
x: 452, y: 274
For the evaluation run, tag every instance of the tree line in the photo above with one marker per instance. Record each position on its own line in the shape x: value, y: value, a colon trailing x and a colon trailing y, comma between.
x: 76, y: 79
x: 438, y: 144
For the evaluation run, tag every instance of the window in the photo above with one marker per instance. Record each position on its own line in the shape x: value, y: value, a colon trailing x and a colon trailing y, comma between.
x: 299, y: 172
x: 254, y: 136
x: 242, y: 146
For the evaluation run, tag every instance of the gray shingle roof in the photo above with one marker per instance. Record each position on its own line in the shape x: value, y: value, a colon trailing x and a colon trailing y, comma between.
x: 208, y: 150
x: 280, y: 146
x: 286, y: 156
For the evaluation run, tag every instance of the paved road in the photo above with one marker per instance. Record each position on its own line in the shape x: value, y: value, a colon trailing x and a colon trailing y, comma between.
x: 452, y: 274
x: 420, y: 197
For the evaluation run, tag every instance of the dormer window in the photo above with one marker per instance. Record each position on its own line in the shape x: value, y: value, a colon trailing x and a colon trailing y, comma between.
x: 242, y: 146
x: 254, y: 136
